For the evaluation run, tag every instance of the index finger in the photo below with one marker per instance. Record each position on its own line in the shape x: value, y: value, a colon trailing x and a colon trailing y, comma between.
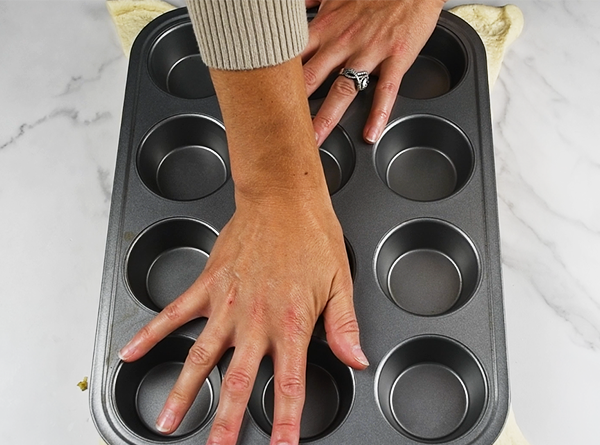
x: 190, y: 305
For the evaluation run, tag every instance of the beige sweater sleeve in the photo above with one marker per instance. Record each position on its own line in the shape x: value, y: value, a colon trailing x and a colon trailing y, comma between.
x: 248, y: 34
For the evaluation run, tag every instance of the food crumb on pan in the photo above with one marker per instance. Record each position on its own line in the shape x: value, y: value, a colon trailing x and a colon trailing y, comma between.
x: 83, y: 385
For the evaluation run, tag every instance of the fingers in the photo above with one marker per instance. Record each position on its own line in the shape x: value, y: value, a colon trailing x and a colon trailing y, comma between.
x: 386, y: 92
x: 191, y: 304
x: 202, y: 358
x: 290, y: 385
x: 342, y: 330
x: 235, y: 392
x: 340, y: 96
x: 319, y: 63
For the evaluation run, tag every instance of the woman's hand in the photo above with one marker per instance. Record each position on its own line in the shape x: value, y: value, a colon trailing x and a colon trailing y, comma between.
x: 275, y: 267
x: 381, y: 37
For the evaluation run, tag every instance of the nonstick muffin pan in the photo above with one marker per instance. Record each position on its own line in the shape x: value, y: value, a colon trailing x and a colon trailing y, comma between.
x: 419, y: 214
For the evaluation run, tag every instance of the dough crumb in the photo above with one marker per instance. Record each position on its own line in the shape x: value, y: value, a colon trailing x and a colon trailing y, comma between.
x: 83, y: 385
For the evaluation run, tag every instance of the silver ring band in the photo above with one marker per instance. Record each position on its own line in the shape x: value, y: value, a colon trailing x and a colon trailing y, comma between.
x: 360, y: 78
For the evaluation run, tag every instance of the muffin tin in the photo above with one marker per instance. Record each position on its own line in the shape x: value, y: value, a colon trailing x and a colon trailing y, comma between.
x: 419, y: 215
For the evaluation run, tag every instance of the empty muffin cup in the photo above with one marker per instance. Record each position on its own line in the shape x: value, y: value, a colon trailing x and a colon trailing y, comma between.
x: 427, y: 267
x: 439, y: 67
x: 184, y: 157
x: 424, y: 158
x: 176, y: 66
x: 329, y: 394
x: 166, y: 259
x: 431, y: 389
x: 337, y: 158
x: 142, y: 387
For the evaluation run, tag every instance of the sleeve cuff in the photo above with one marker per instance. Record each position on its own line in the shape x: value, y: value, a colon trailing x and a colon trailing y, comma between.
x: 248, y: 34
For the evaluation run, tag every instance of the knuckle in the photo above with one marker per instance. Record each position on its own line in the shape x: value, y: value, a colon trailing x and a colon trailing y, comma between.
x: 348, y: 324
x: 325, y: 122
x: 237, y: 382
x: 285, y: 429
x: 344, y: 87
x: 400, y: 46
x: 310, y: 76
x: 199, y: 355
x: 295, y: 326
x: 380, y: 114
x: 222, y: 429
x: 179, y: 398
x: 172, y: 312
x: 291, y: 386
x: 387, y: 86
x: 147, y: 334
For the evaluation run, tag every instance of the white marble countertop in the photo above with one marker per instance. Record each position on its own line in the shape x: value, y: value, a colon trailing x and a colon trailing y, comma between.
x: 62, y: 78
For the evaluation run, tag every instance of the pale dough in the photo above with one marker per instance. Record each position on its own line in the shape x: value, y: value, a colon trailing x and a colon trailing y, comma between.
x: 130, y: 17
x: 497, y: 27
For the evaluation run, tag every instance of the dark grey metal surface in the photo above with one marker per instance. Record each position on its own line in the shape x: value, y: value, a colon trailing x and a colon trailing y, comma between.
x: 419, y: 215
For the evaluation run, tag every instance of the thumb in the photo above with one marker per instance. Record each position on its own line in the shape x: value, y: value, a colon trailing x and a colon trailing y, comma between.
x: 342, y: 331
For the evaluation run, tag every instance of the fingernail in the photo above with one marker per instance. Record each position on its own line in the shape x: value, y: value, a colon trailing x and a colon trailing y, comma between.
x: 127, y: 351
x: 359, y: 355
x: 318, y: 139
x: 372, y: 135
x: 165, y: 421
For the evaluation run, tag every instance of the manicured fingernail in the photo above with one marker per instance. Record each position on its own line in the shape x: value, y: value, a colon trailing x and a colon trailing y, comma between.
x: 359, y: 355
x: 127, y: 351
x: 372, y: 134
x: 165, y: 421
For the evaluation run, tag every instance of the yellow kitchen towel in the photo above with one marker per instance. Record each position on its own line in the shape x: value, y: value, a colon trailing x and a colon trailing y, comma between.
x: 130, y: 17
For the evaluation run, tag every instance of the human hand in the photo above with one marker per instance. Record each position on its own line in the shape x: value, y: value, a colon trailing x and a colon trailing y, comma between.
x: 381, y: 37
x: 275, y: 267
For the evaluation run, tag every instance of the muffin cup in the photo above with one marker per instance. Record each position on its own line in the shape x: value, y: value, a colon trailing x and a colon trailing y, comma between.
x: 431, y: 389
x: 424, y: 158
x: 166, y: 259
x: 184, y: 157
x: 337, y: 158
x: 176, y: 66
x: 427, y: 267
x: 329, y: 394
x: 142, y: 387
x: 438, y: 69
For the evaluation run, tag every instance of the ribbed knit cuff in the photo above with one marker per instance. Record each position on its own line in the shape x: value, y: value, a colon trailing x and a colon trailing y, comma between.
x: 248, y: 34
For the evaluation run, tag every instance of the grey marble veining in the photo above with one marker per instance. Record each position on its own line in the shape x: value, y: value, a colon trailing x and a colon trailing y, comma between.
x: 62, y: 77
